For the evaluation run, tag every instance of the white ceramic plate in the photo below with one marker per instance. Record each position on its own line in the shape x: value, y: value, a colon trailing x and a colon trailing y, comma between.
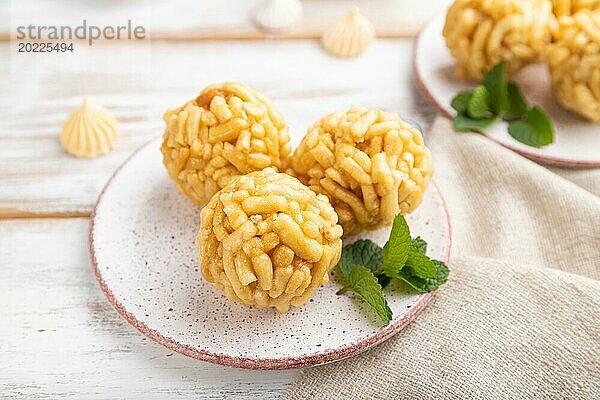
x: 142, y: 249
x: 576, y: 141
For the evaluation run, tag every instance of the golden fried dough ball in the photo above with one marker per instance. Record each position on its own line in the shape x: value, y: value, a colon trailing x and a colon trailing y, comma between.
x: 370, y: 163
x: 228, y: 130
x: 570, y: 7
x: 482, y: 33
x: 574, y: 61
x: 267, y: 240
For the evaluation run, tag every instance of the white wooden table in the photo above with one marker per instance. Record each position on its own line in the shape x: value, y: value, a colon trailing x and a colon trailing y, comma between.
x: 59, y: 336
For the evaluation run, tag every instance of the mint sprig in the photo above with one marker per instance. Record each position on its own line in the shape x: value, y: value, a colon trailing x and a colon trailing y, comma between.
x: 497, y: 98
x: 423, y: 285
x: 535, y: 129
x: 367, y: 268
x: 495, y: 82
x: 395, y: 251
x: 464, y: 123
x: 517, y: 106
x: 479, y: 105
x: 362, y: 281
x: 460, y: 102
x: 419, y: 245
x: 361, y: 252
x: 421, y: 264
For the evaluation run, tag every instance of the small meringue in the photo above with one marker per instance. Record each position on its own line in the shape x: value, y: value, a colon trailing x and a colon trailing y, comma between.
x: 278, y: 15
x: 349, y: 36
x: 89, y: 131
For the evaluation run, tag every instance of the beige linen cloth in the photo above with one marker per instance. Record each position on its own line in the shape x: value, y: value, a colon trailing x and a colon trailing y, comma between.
x: 520, y: 315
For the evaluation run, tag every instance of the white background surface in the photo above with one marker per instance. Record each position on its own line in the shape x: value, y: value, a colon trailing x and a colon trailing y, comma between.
x: 59, y: 336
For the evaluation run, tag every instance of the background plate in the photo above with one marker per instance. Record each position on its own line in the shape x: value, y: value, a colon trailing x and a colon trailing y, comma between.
x: 142, y: 249
x: 576, y: 141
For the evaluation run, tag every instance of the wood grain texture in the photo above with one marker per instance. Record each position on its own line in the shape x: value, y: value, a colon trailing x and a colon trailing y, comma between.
x: 223, y: 19
x: 37, y: 177
x: 60, y: 338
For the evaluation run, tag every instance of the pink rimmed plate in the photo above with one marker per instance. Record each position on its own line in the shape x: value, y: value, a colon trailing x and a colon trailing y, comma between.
x: 142, y: 234
x: 576, y: 140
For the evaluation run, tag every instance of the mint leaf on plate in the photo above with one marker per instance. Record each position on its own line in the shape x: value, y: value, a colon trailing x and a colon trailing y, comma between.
x: 419, y: 245
x: 362, y: 281
x: 362, y: 252
x: 420, y: 265
x: 479, y: 103
x: 523, y: 132
x: 535, y: 130
x: 542, y: 124
x: 463, y: 123
x: 366, y: 268
x: 495, y: 83
x: 460, y: 102
x: 497, y: 98
x: 395, y: 251
x: 423, y: 285
x: 517, y: 106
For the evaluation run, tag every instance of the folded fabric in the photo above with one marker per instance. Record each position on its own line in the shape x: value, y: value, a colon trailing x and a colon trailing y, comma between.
x: 520, y: 315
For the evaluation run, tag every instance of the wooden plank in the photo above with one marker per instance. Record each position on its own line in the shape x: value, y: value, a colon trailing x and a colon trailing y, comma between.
x: 60, y: 338
x: 8, y: 213
x: 224, y: 19
x: 36, y: 176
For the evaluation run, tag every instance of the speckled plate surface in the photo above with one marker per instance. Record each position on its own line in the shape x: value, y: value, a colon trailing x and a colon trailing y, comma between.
x: 142, y: 249
x: 576, y: 141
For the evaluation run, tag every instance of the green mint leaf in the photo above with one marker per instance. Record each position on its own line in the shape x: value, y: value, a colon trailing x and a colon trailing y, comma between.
x: 495, y: 83
x: 463, y: 123
x: 542, y: 124
x: 460, y: 102
x: 479, y: 103
x: 424, y: 285
x: 523, y: 132
x: 420, y: 265
x: 535, y: 131
x: 517, y: 106
x: 395, y: 251
x: 419, y: 245
x: 362, y: 281
x: 362, y: 252
x: 494, y: 98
